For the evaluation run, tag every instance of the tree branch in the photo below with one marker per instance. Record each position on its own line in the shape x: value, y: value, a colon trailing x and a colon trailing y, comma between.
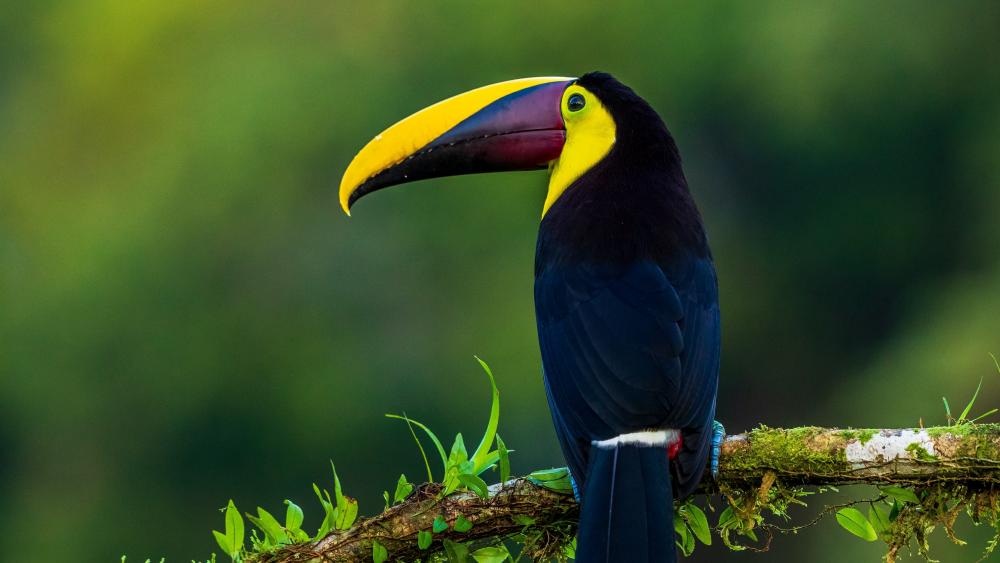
x: 960, y: 456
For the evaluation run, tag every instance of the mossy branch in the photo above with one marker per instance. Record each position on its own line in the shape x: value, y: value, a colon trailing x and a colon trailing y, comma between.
x: 964, y: 457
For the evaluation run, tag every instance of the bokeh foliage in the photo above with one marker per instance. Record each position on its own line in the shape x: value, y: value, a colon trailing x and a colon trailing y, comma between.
x: 185, y: 315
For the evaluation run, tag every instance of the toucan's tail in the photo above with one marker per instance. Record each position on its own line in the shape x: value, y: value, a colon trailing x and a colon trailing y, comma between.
x: 628, y: 511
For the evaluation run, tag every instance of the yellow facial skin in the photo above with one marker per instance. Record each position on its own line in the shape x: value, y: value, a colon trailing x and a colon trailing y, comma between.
x: 590, y: 134
x: 409, y: 135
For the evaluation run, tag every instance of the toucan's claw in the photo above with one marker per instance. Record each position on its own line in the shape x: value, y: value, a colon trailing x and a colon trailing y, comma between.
x: 718, y: 433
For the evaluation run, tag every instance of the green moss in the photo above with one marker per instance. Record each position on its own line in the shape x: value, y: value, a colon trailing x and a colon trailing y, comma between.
x: 862, y: 435
x: 795, y: 449
x: 848, y: 434
x: 967, y: 429
x: 986, y: 445
x: 938, y: 431
x: 978, y: 440
x: 920, y: 452
x: 959, y: 430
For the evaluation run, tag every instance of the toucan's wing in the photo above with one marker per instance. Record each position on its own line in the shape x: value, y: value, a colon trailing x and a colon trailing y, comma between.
x: 613, y: 342
x: 698, y: 290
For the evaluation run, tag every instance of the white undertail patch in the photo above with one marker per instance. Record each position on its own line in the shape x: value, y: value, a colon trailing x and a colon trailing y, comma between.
x: 647, y: 438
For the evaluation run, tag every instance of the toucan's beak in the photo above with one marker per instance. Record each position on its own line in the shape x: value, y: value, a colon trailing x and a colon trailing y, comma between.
x: 514, y: 125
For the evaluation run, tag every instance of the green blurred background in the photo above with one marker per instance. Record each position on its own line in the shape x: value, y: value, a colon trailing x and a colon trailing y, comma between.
x: 186, y: 315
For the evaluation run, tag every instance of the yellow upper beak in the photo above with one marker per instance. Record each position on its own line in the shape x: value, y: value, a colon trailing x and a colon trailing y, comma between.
x: 416, y: 132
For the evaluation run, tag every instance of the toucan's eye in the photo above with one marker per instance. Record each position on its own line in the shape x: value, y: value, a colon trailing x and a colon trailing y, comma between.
x: 576, y: 102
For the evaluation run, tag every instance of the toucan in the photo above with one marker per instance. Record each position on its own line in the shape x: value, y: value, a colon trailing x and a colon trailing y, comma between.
x: 626, y: 297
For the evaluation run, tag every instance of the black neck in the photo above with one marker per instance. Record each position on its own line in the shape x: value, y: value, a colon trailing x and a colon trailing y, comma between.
x: 632, y: 205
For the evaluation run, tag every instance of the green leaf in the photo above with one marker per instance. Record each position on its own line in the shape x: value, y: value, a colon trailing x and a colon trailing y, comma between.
x: 379, y: 553
x: 466, y: 467
x: 569, y: 550
x: 268, y: 524
x: 728, y: 518
x: 476, y: 484
x: 458, y: 454
x: 901, y: 494
x: 403, y: 489
x: 456, y: 552
x: 557, y: 479
x: 522, y: 520
x: 688, y: 547
x: 338, y: 492
x: 968, y: 407
x: 699, y: 524
x: 854, y: 522
x: 234, y: 527
x: 231, y: 541
x: 293, y: 516
x: 679, y: 526
x: 985, y: 414
x: 491, y: 460
x: 458, y: 462
x: 492, y: 554
x: 878, y: 519
x: 424, y: 539
x: 268, y: 541
x: 431, y: 435
x: 462, y: 524
x: 223, y: 542
x: 686, y: 540
x: 553, y: 474
x: 346, y: 511
x: 423, y: 454
x: 479, y: 457
x: 503, y: 456
x: 347, y: 514
x: 894, y: 511
x: 328, y: 511
x: 947, y: 409
x: 280, y: 536
x: 439, y: 525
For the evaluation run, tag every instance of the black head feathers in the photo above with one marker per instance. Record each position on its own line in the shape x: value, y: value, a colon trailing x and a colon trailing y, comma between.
x: 640, y: 130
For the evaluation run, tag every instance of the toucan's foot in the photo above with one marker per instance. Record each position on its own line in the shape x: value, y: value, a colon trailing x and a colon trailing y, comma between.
x: 576, y: 490
x: 718, y: 433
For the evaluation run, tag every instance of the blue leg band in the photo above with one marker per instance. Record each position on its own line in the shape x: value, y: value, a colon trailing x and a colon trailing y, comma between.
x: 718, y: 433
